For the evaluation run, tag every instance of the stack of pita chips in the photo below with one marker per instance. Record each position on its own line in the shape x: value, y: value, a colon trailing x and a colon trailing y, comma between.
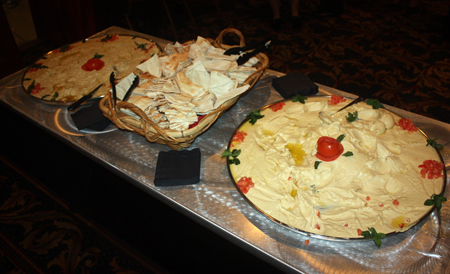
x: 191, y: 80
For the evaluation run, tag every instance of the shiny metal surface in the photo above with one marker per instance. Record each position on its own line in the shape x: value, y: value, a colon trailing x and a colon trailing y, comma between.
x: 216, y: 204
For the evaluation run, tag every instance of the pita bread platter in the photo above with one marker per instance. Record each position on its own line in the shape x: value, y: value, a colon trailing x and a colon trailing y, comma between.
x: 183, y: 91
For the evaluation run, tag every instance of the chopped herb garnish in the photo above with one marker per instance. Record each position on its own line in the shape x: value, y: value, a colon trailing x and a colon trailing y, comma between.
x: 372, y: 234
x: 234, y: 154
x: 436, y: 200
x: 316, y: 164
x: 433, y: 143
x: 352, y: 117
x: 299, y: 98
x: 348, y: 154
x: 375, y: 103
x: 340, y: 138
x: 254, y: 116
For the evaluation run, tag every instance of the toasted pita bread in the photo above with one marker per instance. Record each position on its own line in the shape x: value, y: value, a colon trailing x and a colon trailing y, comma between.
x: 220, y: 83
x: 171, y: 63
x: 198, y: 74
x: 187, y: 87
x: 152, y: 66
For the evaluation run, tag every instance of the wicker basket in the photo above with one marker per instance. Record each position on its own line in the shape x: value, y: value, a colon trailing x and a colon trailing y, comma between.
x: 172, y: 138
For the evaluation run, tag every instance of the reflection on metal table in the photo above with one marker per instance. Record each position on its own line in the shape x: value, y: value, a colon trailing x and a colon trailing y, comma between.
x: 216, y: 204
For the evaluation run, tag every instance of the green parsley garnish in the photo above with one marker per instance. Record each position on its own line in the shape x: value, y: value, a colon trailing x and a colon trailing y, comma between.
x: 141, y: 46
x: 316, y: 164
x: 106, y: 38
x: 254, y: 116
x: 97, y: 56
x: 375, y: 103
x: 299, y: 98
x: 432, y: 142
x: 38, y: 66
x: 352, y: 117
x: 55, y: 95
x: 436, y: 200
x: 348, y: 154
x: 372, y: 234
x: 234, y: 154
x: 340, y: 138
x: 64, y: 48
x: 31, y: 87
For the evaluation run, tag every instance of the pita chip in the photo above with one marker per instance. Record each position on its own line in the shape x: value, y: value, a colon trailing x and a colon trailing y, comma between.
x: 230, y: 94
x: 220, y: 83
x: 152, y: 66
x: 205, y: 104
x: 171, y: 64
x: 198, y: 74
x: 187, y: 87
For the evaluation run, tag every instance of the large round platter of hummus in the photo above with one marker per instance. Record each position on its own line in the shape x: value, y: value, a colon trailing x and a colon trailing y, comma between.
x: 335, y: 174
x: 66, y: 74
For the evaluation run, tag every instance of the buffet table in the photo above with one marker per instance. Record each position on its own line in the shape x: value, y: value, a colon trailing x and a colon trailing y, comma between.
x: 215, y: 202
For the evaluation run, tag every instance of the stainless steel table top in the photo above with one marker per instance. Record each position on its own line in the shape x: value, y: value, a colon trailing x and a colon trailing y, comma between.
x: 216, y: 204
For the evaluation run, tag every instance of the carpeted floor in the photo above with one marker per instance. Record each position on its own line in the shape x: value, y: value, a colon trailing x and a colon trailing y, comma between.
x: 397, y: 51
x: 40, y: 234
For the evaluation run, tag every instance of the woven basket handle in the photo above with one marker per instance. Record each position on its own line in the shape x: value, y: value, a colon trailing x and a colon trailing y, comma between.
x: 219, y: 40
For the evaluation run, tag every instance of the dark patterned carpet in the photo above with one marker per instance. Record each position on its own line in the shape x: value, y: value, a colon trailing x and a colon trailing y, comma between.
x: 397, y: 51
x: 40, y: 234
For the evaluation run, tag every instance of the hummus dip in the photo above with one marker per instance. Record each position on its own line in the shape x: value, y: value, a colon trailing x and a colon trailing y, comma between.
x: 375, y: 181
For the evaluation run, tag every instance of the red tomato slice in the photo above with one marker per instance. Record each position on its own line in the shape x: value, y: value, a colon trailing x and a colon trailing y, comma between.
x: 328, y: 149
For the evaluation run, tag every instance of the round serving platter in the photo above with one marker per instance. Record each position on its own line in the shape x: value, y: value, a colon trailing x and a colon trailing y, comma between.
x: 309, y: 233
x: 26, y: 80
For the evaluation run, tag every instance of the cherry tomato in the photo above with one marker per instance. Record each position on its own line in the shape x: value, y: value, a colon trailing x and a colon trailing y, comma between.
x: 328, y: 149
x: 93, y: 64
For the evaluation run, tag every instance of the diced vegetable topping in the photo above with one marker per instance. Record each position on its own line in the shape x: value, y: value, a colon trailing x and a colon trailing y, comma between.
x: 432, y: 169
x: 278, y: 106
x: 336, y: 99
x: 244, y: 184
x: 407, y: 124
x: 239, y: 136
